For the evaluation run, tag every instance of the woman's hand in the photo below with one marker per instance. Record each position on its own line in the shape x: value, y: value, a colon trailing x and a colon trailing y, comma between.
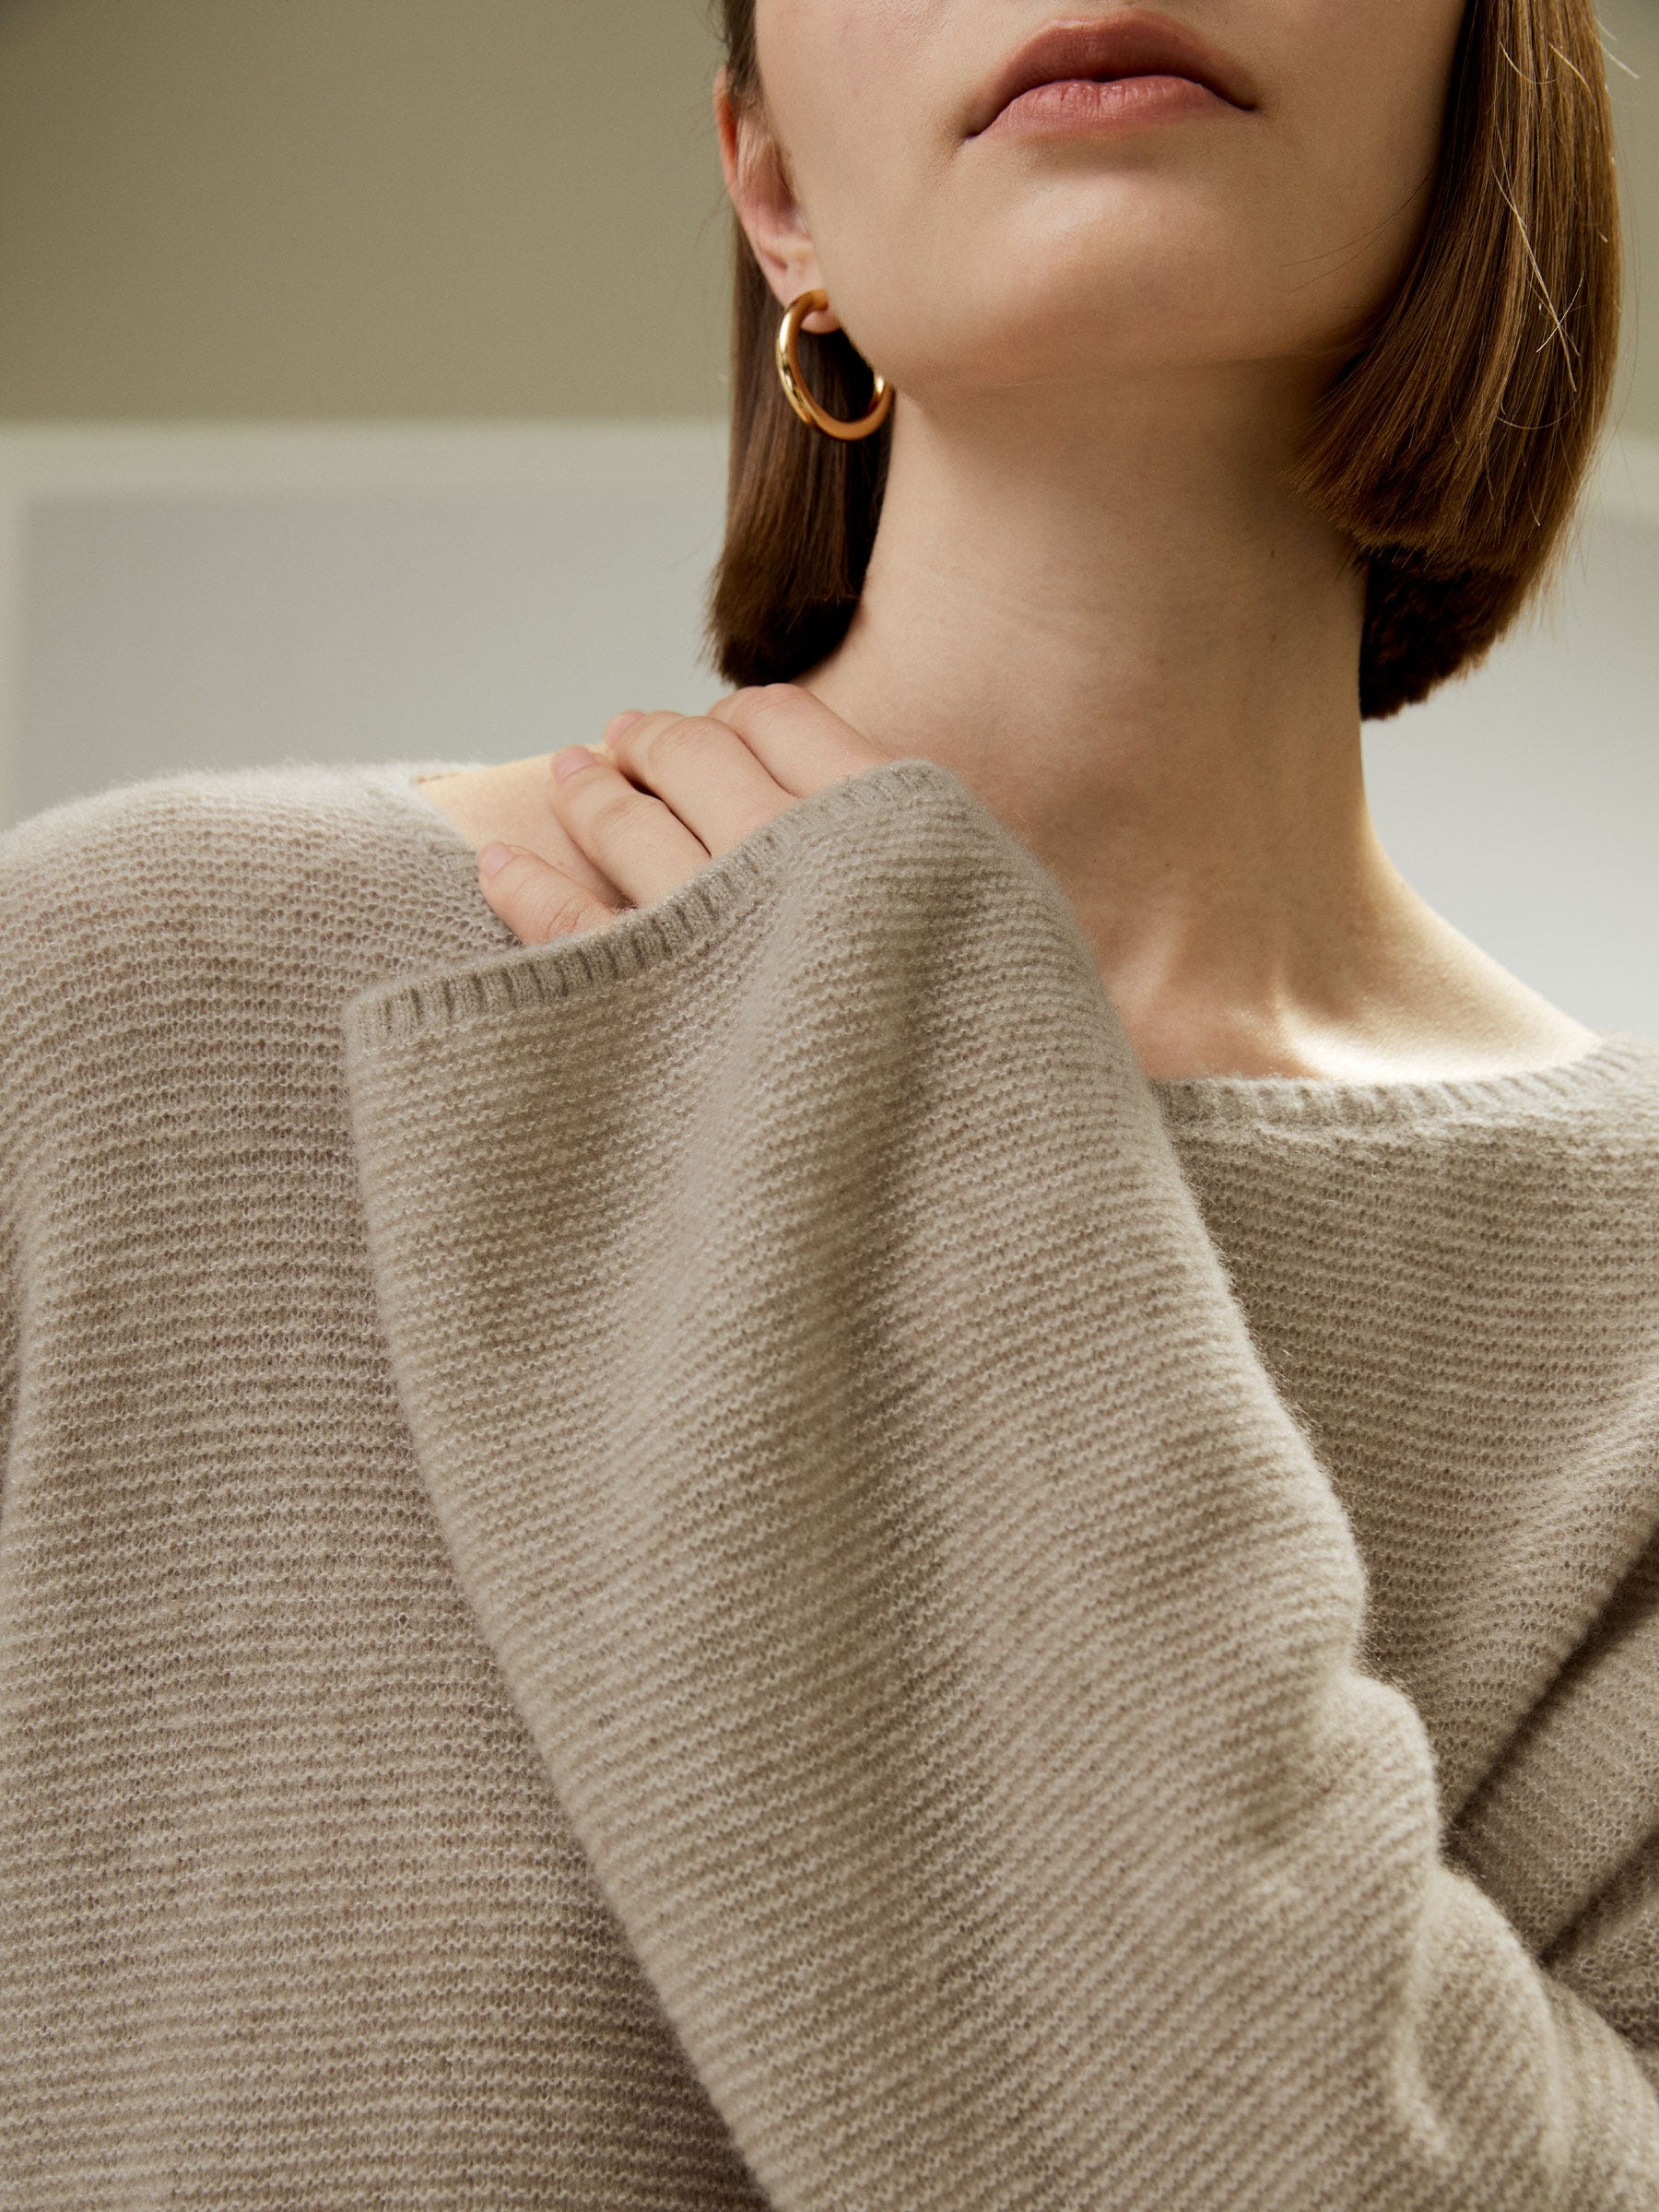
x: 665, y: 795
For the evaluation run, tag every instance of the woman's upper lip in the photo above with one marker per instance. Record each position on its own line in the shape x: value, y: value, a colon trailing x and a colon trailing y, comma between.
x: 1129, y: 43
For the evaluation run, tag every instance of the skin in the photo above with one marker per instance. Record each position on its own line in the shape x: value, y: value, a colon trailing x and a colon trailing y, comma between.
x: 1092, y: 594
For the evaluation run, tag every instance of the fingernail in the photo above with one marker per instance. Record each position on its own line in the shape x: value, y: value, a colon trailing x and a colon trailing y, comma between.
x: 618, y: 723
x: 493, y: 859
x: 569, y: 758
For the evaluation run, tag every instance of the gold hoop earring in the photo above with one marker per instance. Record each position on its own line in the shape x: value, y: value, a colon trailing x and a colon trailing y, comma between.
x: 795, y: 388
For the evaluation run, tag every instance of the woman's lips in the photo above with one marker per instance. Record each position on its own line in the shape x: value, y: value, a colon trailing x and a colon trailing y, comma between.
x: 1077, y: 103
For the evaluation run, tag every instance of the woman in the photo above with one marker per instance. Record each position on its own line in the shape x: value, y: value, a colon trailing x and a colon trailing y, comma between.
x: 925, y: 1476
x: 1100, y: 591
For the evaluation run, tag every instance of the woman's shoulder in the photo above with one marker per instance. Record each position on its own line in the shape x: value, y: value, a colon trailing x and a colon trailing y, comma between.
x: 228, y: 883
x: 163, y: 830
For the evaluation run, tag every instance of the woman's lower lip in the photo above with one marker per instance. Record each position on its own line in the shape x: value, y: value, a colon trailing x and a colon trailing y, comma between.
x: 1077, y: 103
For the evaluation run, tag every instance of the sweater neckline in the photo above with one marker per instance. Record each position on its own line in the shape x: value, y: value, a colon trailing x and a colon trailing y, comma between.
x: 1242, y: 1103
x: 1237, y: 1101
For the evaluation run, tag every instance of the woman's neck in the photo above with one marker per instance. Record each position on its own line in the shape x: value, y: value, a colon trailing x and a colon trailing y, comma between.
x: 1141, y: 651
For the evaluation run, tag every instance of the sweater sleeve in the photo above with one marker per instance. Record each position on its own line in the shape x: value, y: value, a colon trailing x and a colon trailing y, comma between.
x: 19, y: 1044
x: 1610, y: 1952
x: 9, y: 1323
x: 945, y: 1640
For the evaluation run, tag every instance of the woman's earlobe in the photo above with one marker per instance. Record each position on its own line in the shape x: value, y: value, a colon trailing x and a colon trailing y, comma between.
x: 823, y: 321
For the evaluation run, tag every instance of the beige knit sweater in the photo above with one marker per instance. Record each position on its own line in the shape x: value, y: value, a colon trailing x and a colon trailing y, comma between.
x: 724, y: 1564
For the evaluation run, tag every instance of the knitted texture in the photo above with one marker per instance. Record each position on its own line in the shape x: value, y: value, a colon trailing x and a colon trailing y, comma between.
x: 725, y: 1564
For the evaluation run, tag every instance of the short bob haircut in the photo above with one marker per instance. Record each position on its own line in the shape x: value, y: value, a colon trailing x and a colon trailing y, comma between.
x: 1449, y: 448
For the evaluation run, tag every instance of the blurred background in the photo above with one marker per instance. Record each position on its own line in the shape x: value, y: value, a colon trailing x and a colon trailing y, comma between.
x: 363, y: 394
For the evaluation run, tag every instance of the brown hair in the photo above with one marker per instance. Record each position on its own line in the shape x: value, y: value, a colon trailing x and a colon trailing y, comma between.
x: 1449, y: 449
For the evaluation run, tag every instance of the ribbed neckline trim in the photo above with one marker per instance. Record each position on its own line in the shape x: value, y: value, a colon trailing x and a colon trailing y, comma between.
x: 1255, y: 1102
x: 730, y: 881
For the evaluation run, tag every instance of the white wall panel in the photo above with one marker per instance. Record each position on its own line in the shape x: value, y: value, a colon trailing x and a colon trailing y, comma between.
x: 221, y: 598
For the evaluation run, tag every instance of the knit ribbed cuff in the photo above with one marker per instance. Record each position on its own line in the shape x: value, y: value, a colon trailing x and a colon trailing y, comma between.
x: 695, y: 915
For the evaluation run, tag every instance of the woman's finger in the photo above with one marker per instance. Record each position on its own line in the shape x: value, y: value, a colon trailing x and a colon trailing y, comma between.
x: 535, y: 901
x: 666, y: 791
x: 717, y: 776
x: 700, y: 768
x: 712, y: 793
x: 801, y: 743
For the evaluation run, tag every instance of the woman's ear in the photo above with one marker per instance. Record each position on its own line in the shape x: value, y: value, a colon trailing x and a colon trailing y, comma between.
x: 758, y: 184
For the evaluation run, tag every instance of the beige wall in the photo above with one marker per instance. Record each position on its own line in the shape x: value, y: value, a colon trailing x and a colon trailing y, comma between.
x: 336, y: 209
x: 1630, y: 35
x: 349, y: 208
